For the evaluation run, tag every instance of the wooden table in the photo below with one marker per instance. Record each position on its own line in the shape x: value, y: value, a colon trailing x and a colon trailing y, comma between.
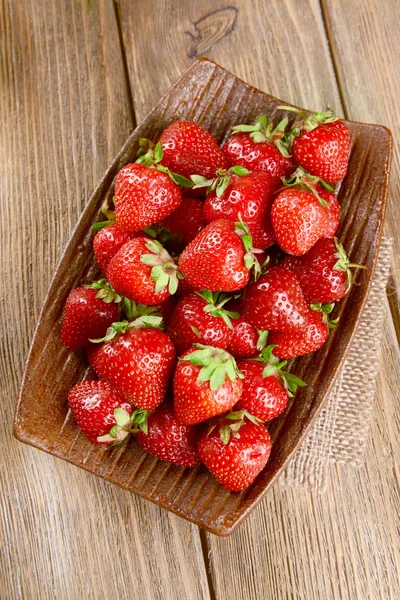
x: 74, y: 81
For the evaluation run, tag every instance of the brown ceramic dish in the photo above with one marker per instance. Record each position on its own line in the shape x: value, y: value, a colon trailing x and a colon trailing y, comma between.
x: 217, y: 100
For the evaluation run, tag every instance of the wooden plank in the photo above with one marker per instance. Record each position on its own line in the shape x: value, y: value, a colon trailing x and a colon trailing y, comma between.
x: 64, y: 113
x: 297, y: 544
x: 365, y: 50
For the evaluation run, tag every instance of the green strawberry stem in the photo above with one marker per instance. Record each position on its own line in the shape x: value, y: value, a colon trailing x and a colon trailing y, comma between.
x: 150, y: 320
x: 215, y: 306
x: 106, y: 292
x: 274, y: 367
x: 304, y: 180
x: 220, y: 182
x: 110, y: 214
x: 326, y: 310
x: 232, y: 427
x: 216, y: 364
x: 119, y: 432
x: 250, y: 260
x: 262, y: 339
x: 164, y: 270
x: 343, y: 263
x: 264, y: 131
x: 151, y: 155
x: 311, y: 122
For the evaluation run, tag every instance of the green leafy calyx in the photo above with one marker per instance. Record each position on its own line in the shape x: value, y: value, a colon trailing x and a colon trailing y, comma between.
x: 164, y: 270
x: 220, y: 182
x: 110, y: 214
x: 343, y: 263
x: 105, y: 291
x: 216, y: 365
x: 123, y: 326
x: 215, y: 306
x: 310, y: 122
x: 231, y: 424
x: 250, y: 259
x: 326, y: 310
x: 274, y: 367
x: 303, y: 180
x: 151, y: 155
x: 264, y: 131
x: 126, y: 424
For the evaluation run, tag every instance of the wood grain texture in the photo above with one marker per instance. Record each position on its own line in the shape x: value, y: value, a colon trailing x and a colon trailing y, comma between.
x: 318, y: 561
x: 64, y: 113
x: 365, y: 48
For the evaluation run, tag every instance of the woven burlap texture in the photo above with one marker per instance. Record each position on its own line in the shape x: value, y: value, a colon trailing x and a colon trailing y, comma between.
x: 341, y: 432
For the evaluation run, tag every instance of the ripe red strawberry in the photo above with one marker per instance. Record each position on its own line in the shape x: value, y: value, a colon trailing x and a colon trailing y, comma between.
x: 244, y: 197
x: 168, y: 439
x: 166, y: 308
x: 88, y: 315
x: 333, y: 209
x: 246, y: 341
x: 260, y: 148
x: 266, y: 387
x: 324, y: 272
x: 276, y: 301
x: 184, y: 288
x: 201, y: 318
x: 137, y: 360
x: 101, y: 412
x: 299, y: 220
x: 296, y: 343
x: 143, y: 271
x: 189, y: 149
x: 206, y: 383
x: 323, y: 147
x: 187, y: 220
x: 235, y: 448
x: 219, y: 258
x: 108, y: 241
x: 144, y: 196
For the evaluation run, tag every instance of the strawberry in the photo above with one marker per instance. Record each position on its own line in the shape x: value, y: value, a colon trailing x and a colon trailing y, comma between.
x: 142, y: 270
x: 259, y: 147
x: 201, y: 318
x: 189, y: 149
x: 184, y: 288
x: 88, y: 312
x: 299, y: 216
x: 137, y: 359
x: 108, y: 241
x: 322, y: 145
x: 219, y: 258
x: 101, y: 412
x: 324, y: 272
x: 166, y: 308
x: 206, y: 383
x: 186, y: 221
x: 144, y: 196
x: 296, y: 343
x: 235, y: 448
x: 266, y: 386
x: 333, y: 209
x: 276, y: 301
x: 246, y: 341
x: 168, y: 439
x: 239, y: 195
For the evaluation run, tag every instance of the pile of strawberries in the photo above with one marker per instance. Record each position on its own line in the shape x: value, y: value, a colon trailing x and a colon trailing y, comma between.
x: 220, y: 264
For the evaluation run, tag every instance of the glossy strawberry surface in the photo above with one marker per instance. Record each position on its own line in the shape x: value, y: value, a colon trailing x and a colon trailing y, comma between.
x: 191, y: 150
x: 144, y: 196
x: 187, y: 220
x: 108, y: 241
x: 324, y: 151
x: 86, y: 317
x: 235, y: 464
x: 240, y: 149
x: 263, y: 397
x: 299, y: 220
x: 214, y: 260
x: 276, y: 301
x: 168, y: 439
x: 248, y: 198
x: 297, y: 343
x: 93, y: 403
x: 191, y: 324
x: 138, y: 363
x: 194, y: 400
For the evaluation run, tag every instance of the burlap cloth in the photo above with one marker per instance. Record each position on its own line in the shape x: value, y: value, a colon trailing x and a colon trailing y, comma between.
x: 341, y: 432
